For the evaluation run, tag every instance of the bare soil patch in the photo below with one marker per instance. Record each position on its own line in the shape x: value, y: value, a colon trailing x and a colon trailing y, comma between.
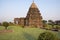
x: 6, y: 31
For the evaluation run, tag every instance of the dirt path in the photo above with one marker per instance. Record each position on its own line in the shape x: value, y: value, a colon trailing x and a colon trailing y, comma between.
x: 6, y: 31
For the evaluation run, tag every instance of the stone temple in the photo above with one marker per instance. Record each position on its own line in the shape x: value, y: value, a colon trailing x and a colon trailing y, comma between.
x: 33, y: 18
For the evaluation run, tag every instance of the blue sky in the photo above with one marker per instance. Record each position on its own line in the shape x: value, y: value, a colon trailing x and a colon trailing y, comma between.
x: 10, y: 9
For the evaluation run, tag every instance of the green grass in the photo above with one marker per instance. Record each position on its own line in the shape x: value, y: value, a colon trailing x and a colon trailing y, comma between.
x: 22, y: 33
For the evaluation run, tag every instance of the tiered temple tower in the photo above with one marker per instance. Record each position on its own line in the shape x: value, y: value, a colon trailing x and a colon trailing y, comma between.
x: 33, y: 17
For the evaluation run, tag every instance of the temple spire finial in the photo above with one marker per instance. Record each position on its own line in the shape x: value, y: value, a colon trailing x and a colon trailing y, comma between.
x: 33, y: 5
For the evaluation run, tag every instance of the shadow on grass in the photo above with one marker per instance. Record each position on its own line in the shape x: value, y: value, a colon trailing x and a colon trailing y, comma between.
x: 59, y: 35
x: 28, y: 36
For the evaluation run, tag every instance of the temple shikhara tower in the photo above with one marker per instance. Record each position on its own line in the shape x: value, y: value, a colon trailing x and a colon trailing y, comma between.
x: 33, y: 18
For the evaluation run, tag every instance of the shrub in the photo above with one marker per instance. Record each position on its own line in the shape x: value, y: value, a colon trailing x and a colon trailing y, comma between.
x: 5, y: 24
x: 47, y: 36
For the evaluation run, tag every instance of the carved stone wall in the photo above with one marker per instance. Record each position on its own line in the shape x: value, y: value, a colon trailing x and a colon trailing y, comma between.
x: 33, y: 17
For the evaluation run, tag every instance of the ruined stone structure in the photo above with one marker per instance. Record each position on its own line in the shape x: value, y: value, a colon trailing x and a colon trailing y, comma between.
x: 33, y: 17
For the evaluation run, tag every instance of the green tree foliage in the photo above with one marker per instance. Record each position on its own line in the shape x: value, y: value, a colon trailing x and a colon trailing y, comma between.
x: 0, y: 24
x: 50, y: 22
x: 44, y: 23
x: 5, y: 24
x: 57, y: 22
x: 10, y: 24
x: 47, y: 36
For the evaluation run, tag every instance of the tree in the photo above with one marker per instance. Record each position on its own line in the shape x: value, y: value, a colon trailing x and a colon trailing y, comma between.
x: 10, y: 23
x: 5, y: 24
x: 57, y: 22
x: 0, y: 24
x: 47, y: 36
x: 50, y: 22
x: 44, y: 23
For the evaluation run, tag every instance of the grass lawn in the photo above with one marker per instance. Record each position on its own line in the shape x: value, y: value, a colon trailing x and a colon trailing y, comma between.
x: 21, y: 33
